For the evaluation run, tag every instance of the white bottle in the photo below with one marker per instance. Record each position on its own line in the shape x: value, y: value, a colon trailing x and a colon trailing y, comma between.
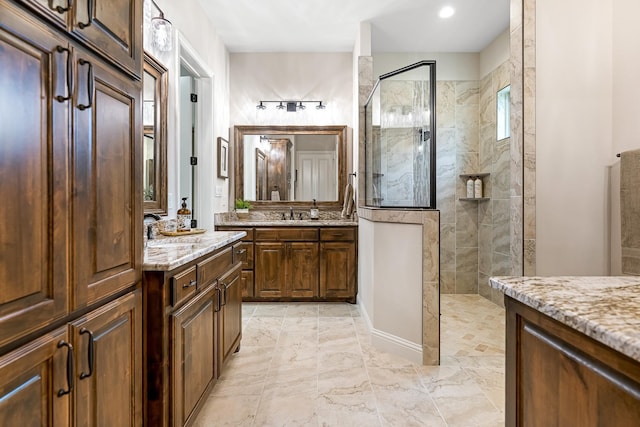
x: 477, y: 191
x: 470, y: 188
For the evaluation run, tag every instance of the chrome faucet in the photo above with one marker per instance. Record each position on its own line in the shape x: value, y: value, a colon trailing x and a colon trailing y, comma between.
x: 291, y: 213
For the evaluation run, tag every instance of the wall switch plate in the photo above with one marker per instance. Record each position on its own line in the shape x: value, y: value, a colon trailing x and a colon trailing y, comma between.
x: 218, y: 190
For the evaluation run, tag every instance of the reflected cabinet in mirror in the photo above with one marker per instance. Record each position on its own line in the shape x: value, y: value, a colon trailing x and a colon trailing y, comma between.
x: 292, y: 165
x: 154, y: 113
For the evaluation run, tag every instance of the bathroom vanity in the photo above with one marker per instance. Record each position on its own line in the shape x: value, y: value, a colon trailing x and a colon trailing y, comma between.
x: 192, y: 321
x: 573, y: 350
x: 297, y: 260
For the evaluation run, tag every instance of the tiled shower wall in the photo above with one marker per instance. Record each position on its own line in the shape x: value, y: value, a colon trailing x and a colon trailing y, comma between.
x: 474, y: 235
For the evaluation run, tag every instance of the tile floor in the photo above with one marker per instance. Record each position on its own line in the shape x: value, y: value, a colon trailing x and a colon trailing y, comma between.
x: 304, y: 364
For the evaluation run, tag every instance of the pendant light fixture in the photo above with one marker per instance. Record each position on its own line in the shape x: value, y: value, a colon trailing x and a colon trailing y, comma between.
x: 161, y: 32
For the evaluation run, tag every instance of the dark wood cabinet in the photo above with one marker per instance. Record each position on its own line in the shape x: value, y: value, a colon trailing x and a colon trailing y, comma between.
x: 556, y: 376
x: 270, y: 274
x: 87, y: 373
x: 71, y: 235
x: 193, y: 318
x: 338, y: 263
x: 106, y: 236
x: 108, y: 348
x: 338, y: 274
x: 230, y: 323
x: 33, y: 175
x: 34, y: 381
x: 286, y: 270
x: 112, y: 29
x: 299, y: 263
x: 193, y: 346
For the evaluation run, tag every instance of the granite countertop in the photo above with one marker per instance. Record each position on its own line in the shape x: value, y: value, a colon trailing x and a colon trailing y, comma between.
x: 167, y: 253
x: 606, y: 309
x: 289, y: 223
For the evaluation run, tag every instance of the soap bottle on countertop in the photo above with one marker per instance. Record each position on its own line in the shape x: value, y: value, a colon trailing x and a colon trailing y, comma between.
x: 184, y: 216
x: 314, y: 212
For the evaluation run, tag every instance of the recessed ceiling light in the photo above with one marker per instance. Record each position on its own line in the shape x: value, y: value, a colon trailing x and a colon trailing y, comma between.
x: 446, y: 12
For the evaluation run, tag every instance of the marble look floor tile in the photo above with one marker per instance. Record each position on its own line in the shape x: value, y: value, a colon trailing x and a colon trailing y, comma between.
x: 228, y: 411
x: 344, y: 381
x: 265, y: 309
x: 476, y: 411
x: 357, y: 409
x: 309, y: 364
x: 302, y: 310
x: 398, y: 379
x: 404, y: 408
x: 287, y: 411
x: 334, y: 310
x: 335, y: 359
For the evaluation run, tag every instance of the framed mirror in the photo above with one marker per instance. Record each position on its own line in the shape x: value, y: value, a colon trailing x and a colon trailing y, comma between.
x: 282, y: 166
x: 154, y: 117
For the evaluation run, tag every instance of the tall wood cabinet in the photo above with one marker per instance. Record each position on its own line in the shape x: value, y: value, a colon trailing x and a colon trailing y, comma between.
x: 71, y: 236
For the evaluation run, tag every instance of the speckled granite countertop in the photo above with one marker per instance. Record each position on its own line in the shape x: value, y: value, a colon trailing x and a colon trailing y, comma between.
x: 606, y: 309
x: 167, y: 253
x: 290, y: 223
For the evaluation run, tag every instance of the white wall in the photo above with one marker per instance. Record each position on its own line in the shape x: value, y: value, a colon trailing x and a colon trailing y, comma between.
x: 574, y: 135
x: 494, y: 55
x: 197, y: 30
x: 324, y: 77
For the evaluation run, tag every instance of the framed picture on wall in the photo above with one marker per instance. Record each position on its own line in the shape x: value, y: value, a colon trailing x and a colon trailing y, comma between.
x: 223, y: 158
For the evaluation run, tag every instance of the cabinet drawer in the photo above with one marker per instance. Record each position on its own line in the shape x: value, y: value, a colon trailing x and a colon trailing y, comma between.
x: 341, y: 234
x: 183, y: 285
x: 212, y: 268
x: 243, y: 252
x: 286, y: 234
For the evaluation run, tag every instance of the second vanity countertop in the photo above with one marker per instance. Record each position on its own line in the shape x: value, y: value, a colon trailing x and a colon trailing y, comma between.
x: 289, y: 223
x: 606, y: 309
x: 168, y: 253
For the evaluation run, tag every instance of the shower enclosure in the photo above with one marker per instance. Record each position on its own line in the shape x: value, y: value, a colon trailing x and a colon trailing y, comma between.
x: 400, y: 139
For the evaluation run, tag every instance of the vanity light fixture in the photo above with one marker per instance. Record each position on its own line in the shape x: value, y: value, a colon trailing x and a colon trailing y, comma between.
x: 291, y: 106
x: 161, y: 31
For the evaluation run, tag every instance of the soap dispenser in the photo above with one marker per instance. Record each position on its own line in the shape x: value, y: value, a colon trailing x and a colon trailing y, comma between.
x: 184, y: 216
x: 313, y: 212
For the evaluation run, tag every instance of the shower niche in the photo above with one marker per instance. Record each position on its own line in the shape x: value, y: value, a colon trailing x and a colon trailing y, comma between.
x: 400, y: 139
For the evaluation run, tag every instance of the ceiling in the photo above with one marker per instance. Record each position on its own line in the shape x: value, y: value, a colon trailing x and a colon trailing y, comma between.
x: 332, y: 25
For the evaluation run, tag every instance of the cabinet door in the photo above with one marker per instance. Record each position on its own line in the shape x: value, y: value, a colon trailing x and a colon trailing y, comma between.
x: 247, y: 283
x: 56, y: 11
x: 30, y: 380
x: 33, y: 174
x: 107, y: 230
x: 193, y: 359
x: 114, y: 28
x: 337, y: 270
x: 230, y: 316
x: 270, y: 259
x: 108, y: 346
x: 302, y: 270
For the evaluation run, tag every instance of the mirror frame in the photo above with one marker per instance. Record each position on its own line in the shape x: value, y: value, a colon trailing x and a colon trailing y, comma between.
x: 241, y: 131
x: 160, y: 73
